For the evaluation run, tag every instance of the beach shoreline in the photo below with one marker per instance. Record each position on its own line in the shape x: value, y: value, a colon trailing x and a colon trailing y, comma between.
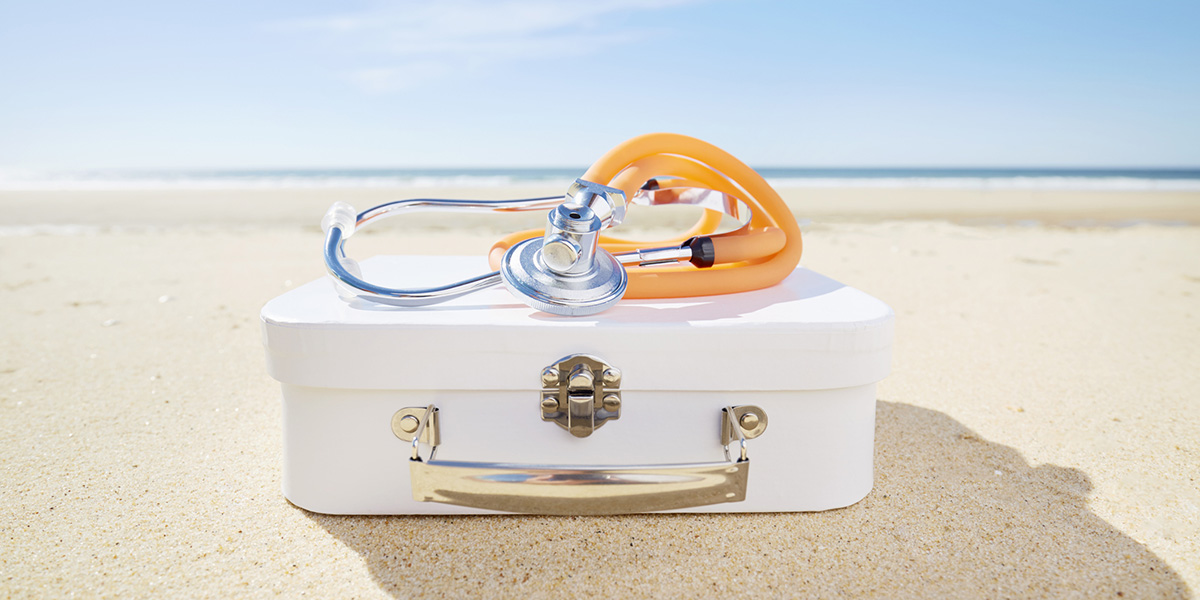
x: 284, y: 208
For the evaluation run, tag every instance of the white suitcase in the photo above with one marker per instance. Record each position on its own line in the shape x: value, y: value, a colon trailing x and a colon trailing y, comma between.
x: 637, y: 422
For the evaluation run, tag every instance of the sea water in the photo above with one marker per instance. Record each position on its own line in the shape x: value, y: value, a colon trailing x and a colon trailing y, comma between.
x: 782, y: 177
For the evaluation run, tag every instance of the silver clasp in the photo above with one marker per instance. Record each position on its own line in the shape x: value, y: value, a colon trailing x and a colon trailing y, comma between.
x: 581, y: 393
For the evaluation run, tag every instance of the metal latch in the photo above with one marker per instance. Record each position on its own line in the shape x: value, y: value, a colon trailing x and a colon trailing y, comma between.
x: 581, y: 393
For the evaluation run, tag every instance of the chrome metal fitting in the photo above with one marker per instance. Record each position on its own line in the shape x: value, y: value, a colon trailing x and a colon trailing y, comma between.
x: 607, y: 203
x: 585, y: 395
x: 524, y: 272
x: 572, y: 236
x: 566, y: 272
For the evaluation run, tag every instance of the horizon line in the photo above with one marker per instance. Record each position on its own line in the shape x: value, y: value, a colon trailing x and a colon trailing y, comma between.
x: 501, y: 169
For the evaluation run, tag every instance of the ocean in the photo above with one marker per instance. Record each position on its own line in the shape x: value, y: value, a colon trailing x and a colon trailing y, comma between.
x: 1118, y: 179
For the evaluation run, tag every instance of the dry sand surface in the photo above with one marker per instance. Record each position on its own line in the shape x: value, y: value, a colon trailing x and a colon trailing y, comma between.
x: 1039, y: 435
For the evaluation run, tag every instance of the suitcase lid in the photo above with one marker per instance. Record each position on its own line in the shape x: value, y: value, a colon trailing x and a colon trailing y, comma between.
x: 809, y: 332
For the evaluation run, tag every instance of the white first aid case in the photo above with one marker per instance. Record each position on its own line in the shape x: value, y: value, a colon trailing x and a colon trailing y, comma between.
x: 753, y: 402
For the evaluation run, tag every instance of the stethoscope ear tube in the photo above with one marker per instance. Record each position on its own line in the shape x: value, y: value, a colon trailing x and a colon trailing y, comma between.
x: 341, y: 221
x: 347, y: 277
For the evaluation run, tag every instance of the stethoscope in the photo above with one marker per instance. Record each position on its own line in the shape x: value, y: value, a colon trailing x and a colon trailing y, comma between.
x: 572, y: 269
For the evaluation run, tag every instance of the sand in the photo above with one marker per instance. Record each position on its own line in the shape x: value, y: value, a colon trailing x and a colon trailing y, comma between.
x: 1039, y: 435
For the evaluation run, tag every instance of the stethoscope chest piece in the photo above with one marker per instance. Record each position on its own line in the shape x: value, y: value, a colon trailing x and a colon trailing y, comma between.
x: 566, y: 272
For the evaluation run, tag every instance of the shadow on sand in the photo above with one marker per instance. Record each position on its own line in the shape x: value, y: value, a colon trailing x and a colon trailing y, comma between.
x: 951, y: 515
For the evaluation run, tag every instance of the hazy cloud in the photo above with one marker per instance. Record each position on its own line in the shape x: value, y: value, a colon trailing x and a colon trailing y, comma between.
x: 415, y: 42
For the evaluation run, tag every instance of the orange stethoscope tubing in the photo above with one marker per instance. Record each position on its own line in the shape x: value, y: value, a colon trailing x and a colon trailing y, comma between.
x: 759, y: 254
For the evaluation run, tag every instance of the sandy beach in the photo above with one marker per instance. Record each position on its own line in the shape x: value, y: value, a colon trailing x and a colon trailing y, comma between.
x: 1039, y: 435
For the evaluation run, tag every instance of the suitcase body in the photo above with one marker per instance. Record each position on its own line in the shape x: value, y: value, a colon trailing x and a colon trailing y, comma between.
x: 620, y: 412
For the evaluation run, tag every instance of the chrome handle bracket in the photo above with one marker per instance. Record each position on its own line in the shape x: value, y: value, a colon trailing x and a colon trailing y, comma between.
x: 748, y: 420
x: 407, y: 421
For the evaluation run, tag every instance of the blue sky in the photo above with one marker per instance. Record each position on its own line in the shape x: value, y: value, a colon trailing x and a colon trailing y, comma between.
x: 535, y: 83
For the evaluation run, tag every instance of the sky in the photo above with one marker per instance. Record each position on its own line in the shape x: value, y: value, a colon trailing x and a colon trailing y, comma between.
x: 535, y: 83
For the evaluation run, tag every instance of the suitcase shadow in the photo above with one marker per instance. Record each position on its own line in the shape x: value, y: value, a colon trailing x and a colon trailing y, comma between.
x: 951, y: 515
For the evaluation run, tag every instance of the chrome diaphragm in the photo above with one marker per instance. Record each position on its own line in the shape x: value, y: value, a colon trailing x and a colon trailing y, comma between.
x: 525, y: 274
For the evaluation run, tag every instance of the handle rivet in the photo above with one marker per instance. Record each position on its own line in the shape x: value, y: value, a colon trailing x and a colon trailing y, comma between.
x: 749, y: 421
x: 409, y: 424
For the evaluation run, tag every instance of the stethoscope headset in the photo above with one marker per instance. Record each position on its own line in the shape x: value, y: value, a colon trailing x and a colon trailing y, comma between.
x: 572, y: 269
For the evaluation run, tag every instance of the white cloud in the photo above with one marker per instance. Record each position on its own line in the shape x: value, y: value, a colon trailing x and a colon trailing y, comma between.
x: 411, y: 43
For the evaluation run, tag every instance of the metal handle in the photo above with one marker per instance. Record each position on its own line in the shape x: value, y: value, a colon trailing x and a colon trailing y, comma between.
x: 580, y: 490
